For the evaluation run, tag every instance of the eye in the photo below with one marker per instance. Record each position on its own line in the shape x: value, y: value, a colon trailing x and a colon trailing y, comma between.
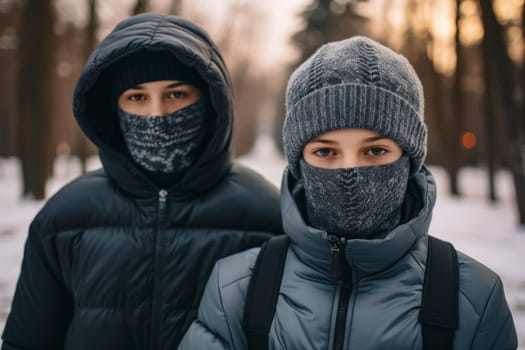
x: 376, y: 152
x: 324, y: 152
x: 177, y: 94
x: 136, y: 97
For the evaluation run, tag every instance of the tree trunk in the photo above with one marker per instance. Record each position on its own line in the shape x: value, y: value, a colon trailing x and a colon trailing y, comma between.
x: 523, y: 75
x: 82, y: 147
x: 35, y: 89
x: 442, y: 128
x: 506, y: 85
x: 8, y: 63
x: 491, y: 113
x: 458, y: 107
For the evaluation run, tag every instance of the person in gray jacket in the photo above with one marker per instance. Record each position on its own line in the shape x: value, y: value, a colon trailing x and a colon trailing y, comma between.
x: 356, y: 203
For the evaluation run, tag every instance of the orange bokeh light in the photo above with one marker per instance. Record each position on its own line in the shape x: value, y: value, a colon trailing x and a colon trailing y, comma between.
x: 469, y: 140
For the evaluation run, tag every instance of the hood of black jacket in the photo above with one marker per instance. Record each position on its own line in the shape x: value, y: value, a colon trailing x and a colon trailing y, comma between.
x: 96, y: 114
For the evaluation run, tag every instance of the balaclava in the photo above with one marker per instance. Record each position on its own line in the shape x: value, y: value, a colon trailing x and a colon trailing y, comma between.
x: 355, y: 83
x: 163, y: 144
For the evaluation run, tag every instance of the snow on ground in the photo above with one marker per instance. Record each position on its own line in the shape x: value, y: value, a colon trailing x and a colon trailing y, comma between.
x: 487, y: 232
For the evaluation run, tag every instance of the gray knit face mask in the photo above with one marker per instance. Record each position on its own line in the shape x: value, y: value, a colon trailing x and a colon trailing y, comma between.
x: 164, y: 143
x: 361, y: 202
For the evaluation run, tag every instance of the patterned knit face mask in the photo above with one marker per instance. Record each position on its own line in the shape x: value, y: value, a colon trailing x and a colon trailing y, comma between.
x: 164, y: 143
x: 360, y: 202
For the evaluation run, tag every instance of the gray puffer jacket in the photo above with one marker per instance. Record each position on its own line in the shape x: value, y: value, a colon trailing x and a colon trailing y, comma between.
x: 385, y: 296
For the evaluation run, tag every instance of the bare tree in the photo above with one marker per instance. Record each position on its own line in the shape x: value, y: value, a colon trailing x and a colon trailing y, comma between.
x: 506, y: 85
x: 237, y: 40
x: 456, y: 124
x: 438, y: 118
x: 35, y: 86
x: 490, y: 115
x: 80, y: 143
x: 437, y: 88
x: 9, y: 16
x: 523, y: 74
x: 91, y: 28
x: 415, y: 47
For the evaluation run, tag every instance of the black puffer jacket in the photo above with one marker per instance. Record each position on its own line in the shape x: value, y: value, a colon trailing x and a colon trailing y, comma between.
x: 114, y: 262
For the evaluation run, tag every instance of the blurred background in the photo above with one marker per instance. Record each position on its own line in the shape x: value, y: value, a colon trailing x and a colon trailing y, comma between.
x: 469, y: 55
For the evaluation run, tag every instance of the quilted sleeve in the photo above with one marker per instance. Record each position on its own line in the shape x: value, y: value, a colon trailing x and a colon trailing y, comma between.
x: 496, y: 329
x: 42, y: 305
x: 219, y: 323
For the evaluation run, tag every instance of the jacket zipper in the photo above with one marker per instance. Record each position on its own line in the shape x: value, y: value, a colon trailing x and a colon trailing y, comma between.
x: 337, y: 251
x: 156, y: 302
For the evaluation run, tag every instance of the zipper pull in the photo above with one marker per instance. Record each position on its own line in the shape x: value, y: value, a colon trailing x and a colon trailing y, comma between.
x: 162, y: 198
x: 337, y: 245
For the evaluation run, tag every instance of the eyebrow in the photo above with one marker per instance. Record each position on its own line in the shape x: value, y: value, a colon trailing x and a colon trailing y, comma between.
x: 377, y: 138
x: 179, y: 83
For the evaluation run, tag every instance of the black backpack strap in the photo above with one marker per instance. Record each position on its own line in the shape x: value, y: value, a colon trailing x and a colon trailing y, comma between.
x: 439, y: 309
x: 263, y: 291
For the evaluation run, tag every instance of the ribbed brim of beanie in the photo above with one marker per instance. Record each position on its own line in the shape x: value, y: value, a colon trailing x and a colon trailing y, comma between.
x: 355, y: 83
x: 147, y: 66
x: 354, y: 106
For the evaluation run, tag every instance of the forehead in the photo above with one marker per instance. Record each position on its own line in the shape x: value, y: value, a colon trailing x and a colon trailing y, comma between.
x: 349, y: 134
x: 160, y: 84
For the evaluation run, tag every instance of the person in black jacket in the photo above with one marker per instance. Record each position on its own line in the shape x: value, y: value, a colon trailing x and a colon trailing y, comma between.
x: 118, y: 258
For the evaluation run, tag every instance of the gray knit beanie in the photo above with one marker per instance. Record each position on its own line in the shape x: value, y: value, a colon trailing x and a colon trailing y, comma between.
x: 355, y: 83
